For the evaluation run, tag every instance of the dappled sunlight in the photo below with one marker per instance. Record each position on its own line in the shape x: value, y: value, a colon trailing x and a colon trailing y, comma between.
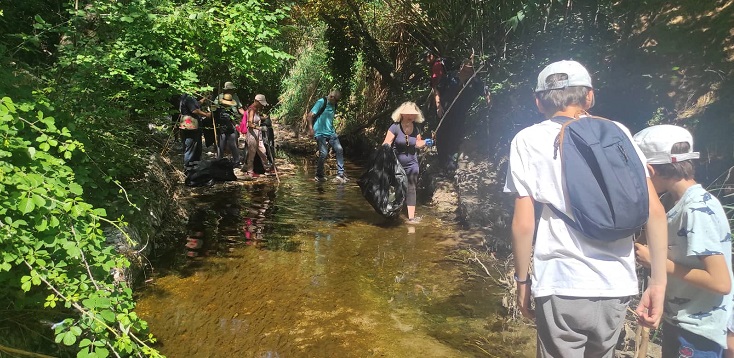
x: 355, y: 286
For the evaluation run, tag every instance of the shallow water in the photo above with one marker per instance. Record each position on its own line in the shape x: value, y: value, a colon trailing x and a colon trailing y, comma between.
x: 307, y: 269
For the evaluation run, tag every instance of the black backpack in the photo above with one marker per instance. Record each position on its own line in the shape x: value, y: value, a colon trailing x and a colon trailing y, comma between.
x: 206, y: 172
x: 224, y: 118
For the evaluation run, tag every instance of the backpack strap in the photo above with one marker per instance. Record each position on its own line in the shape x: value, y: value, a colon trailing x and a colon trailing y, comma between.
x: 564, y: 122
x: 565, y: 218
x: 181, y: 103
x: 558, y: 143
x: 320, y: 111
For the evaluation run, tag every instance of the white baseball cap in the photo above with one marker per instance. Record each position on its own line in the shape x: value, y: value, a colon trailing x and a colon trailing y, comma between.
x: 577, y: 76
x: 656, y: 143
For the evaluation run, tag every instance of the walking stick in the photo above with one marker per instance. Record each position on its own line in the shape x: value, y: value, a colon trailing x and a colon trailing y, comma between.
x: 216, y: 137
x: 272, y: 154
x: 457, y: 97
x: 173, y: 130
x: 642, y: 338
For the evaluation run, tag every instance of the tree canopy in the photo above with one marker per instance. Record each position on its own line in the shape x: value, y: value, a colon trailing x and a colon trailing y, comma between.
x: 83, y: 81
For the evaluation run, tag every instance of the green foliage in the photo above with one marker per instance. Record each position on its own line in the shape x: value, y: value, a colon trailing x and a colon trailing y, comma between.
x: 309, y: 78
x: 54, y: 254
x: 120, y: 62
x: 105, y: 71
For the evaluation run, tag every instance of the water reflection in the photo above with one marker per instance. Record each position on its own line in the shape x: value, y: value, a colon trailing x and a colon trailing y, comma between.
x: 308, y: 269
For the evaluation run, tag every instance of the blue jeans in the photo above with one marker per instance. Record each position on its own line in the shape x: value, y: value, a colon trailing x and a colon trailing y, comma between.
x: 678, y: 342
x: 333, y: 141
x: 192, y: 146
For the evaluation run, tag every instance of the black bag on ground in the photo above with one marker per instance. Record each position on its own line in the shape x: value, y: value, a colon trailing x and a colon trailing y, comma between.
x: 384, y: 184
x: 207, y: 171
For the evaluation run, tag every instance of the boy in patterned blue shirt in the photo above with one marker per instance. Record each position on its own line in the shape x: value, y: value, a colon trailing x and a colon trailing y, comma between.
x: 698, y: 300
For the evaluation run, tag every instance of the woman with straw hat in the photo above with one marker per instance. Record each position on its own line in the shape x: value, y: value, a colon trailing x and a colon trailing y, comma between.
x: 224, y: 116
x: 406, y: 139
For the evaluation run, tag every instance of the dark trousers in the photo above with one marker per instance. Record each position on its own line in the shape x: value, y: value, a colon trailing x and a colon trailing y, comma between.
x: 228, y: 141
x: 191, y: 146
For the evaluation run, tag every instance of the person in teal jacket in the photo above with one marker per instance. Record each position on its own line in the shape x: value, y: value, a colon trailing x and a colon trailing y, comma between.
x: 321, y: 126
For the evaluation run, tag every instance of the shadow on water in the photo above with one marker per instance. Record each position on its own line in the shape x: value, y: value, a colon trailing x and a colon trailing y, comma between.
x: 308, y: 269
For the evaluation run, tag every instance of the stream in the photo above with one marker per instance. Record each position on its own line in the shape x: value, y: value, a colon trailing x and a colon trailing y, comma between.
x: 306, y: 269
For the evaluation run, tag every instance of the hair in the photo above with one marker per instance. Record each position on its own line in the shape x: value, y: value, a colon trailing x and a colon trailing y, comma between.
x: 396, y: 114
x: 336, y: 94
x: 556, y: 100
x: 680, y: 170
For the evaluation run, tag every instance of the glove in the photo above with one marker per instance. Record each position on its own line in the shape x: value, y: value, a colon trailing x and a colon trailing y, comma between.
x: 429, y: 142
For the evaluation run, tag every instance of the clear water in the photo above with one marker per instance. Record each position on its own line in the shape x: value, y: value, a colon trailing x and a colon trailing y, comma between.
x: 306, y: 269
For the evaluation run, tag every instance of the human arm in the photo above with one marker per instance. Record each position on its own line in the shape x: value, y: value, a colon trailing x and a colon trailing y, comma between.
x: 318, y: 108
x: 439, y: 107
x: 389, y: 138
x: 713, y: 277
x: 650, y: 309
x: 240, y: 108
x: 251, y: 117
x: 309, y: 117
x: 192, y: 107
x: 523, y: 228
x: 198, y: 111
x: 202, y: 113
x: 419, y: 142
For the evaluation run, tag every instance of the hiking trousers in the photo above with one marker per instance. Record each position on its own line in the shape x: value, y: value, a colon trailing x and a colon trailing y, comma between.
x: 579, y: 327
x: 333, y: 141
x: 191, y: 146
x: 255, y: 146
x: 228, y: 141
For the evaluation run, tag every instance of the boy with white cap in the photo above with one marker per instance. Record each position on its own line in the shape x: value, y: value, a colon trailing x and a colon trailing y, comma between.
x: 698, y: 300
x: 581, y: 286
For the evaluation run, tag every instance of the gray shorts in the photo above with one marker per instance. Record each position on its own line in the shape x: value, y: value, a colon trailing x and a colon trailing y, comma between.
x: 579, y: 327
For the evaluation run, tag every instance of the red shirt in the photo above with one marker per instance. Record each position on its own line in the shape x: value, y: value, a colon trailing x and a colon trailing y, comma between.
x: 437, y: 73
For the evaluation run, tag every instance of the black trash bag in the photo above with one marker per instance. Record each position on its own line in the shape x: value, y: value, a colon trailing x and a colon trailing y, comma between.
x: 385, y: 183
x: 206, y: 172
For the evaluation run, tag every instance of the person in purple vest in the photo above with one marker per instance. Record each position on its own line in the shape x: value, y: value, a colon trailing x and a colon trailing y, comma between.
x: 405, y: 137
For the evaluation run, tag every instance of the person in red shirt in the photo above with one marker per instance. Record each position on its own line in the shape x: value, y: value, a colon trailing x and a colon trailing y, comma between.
x: 438, y: 72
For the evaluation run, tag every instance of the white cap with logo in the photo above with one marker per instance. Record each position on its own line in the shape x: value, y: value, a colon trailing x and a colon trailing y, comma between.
x: 576, y: 73
x: 656, y: 143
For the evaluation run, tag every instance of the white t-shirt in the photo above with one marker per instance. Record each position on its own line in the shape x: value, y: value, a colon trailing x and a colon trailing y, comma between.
x: 698, y: 226
x: 566, y: 263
